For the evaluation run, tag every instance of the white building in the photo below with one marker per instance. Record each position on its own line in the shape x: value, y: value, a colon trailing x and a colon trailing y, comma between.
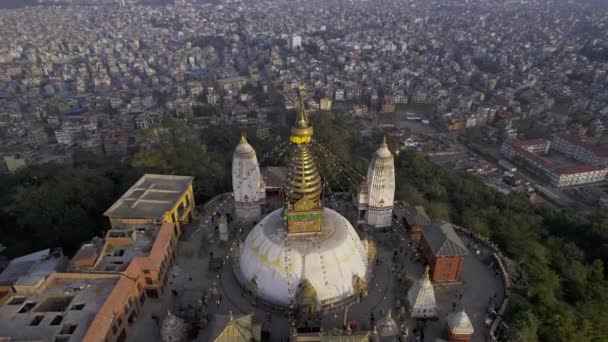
x: 379, y: 189
x: 64, y: 136
x: 576, y: 175
x: 295, y: 42
x: 247, y: 182
x: 421, y: 297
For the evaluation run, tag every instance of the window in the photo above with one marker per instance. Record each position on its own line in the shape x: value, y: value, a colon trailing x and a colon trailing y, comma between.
x: 132, y: 318
x: 55, y: 304
x: 119, y: 252
x: 146, y: 271
x: 27, y: 307
x: 77, y: 307
x: 57, y: 320
x: 148, y: 281
x: 119, y: 321
x: 36, y: 321
x: 68, y: 329
x: 151, y: 293
x: 114, y: 329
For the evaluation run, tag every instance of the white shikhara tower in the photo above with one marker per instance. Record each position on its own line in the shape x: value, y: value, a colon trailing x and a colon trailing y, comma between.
x: 377, y: 193
x: 421, y: 297
x: 247, y: 183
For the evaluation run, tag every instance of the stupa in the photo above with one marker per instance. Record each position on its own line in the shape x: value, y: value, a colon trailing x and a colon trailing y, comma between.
x: 303, y: 242
x: 173, y: 329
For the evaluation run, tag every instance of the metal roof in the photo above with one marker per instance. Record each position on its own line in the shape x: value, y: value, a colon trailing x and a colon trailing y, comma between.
x: 443, y: 240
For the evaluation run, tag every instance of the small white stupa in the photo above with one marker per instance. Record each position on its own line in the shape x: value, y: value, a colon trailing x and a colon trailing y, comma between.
x: 173, y: 329
x: 388, y: 328
x: 459, y: 326
x: 377, y: 193
x: 421, y: 297
x: 247, y: 182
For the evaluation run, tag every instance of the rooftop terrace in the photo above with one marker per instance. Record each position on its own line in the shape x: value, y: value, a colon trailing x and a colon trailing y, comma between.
x: 62, y: 312
x: 151, y: 197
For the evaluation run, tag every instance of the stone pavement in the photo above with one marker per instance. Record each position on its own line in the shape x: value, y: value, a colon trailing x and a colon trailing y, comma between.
x: 191, y: 279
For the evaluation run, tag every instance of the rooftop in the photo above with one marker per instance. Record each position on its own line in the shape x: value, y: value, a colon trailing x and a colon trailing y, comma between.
x: 151, y: 197
x: 570, y: 170
x: 119, y: 250
x: 65, y: 308
x: 30, y: 269
x: 443, y: 240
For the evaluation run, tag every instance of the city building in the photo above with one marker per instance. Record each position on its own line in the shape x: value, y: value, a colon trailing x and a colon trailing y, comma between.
x: 71, y: 307
x: 155, y: 199
x: 388, y: 104
x: 295, y: 42
x: 14, y: 162
x: 576, y: 148
x: 325, y: 104
x: 443, y: 251
x: 577, y: 175
x: 533, y: 153
x: 33, y: 269
x: 115, y: 143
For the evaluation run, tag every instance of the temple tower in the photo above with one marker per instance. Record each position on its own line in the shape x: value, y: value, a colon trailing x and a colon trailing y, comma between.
x: 247, y: 182
x: 380, y: 188
x: 421, y: 297
x: 460, y: 328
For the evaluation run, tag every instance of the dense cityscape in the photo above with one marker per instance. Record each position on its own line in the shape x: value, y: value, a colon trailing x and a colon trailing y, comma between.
x: 161, y: 179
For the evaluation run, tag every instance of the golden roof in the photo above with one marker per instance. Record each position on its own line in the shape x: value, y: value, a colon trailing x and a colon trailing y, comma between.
x: 231, y: 329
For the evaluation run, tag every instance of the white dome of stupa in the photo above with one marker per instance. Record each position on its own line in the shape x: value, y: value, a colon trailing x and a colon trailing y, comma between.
x: 329, y: 260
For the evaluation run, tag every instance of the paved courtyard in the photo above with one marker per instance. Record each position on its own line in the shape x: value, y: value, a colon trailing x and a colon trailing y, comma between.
x: 190, y: 281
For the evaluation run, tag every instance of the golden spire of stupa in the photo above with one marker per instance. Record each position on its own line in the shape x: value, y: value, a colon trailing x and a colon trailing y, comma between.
x: 243, y: 138
x: 304, y: 180
x: 301, y: 132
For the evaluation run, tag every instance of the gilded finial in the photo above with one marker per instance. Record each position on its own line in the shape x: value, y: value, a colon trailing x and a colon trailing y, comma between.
x: 384, y: 140
x: 243, y: 137
x: 231, y: 316
x: 301, y: 132
x: 389, y: 314
x: 426, y: 272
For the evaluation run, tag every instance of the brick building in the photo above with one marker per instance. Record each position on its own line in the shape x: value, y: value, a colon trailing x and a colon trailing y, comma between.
x: 443, y: 250
x: 413, y: 219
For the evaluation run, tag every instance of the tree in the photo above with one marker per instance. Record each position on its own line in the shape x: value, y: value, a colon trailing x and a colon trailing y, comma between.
x: 56, y: 206
x: 171, y: 150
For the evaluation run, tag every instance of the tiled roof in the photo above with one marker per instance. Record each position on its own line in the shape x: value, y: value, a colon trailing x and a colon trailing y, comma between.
x: 443, y: 240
